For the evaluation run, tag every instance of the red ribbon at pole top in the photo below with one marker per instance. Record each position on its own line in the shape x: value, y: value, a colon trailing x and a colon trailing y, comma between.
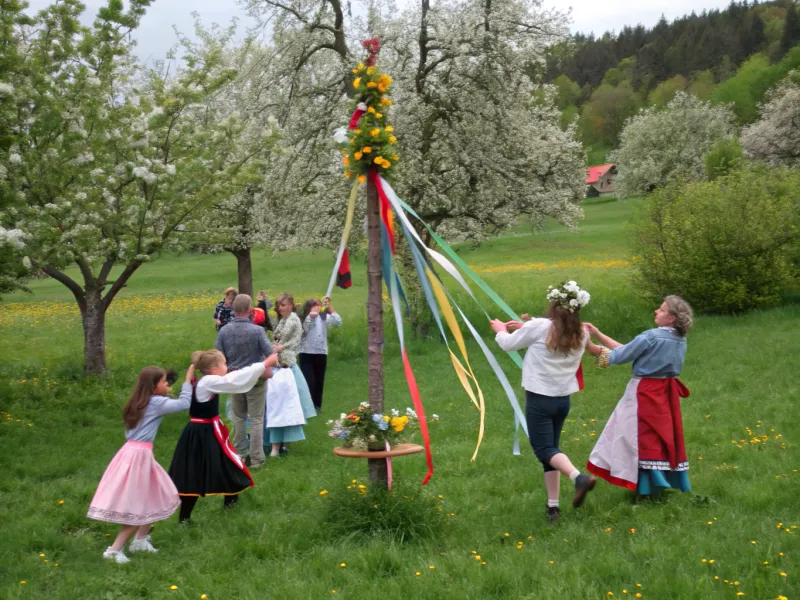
x: 372, y: 45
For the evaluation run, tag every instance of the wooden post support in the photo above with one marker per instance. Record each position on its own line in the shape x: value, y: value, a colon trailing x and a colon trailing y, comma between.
x: 378, y: 474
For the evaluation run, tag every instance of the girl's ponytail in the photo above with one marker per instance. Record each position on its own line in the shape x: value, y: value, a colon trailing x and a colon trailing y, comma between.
x: 140, y: 398
x: 203, y: 360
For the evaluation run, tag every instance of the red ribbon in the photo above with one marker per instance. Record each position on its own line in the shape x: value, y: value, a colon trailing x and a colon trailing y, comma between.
x: 223, y: 439
x: 423, y: 424
x: 386, y: 207
x: 357, y: 114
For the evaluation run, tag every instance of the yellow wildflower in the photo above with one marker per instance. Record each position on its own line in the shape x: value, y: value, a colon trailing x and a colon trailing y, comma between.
x: 342, y: 565
x: 389, y: 129
x: 357, y: 82
x: 386, y: 418
x: 323, y: 493
x: 378, y: 160
x: 173, y: 587
x: 395, y: 158
x: 386, y: 164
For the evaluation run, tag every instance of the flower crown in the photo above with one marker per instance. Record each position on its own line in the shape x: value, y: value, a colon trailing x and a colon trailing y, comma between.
x: 569, y: 295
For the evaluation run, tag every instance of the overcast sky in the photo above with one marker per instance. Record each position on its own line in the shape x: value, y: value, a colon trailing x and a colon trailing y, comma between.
x: 156, y: 36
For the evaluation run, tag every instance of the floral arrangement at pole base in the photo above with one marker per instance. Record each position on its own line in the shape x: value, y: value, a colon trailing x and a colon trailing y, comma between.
x: 363, y: 430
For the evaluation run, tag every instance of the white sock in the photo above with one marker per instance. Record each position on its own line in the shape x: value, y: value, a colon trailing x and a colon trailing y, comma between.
x: 574, y: 475
x: 552, y: 503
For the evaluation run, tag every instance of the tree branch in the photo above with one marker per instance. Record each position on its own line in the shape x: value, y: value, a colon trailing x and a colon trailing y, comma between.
x: 119, y: 283
x: 71, y: 284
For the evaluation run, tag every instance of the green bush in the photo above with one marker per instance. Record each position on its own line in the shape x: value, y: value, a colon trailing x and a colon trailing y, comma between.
x: 724, y: 158
x: 726, y: 245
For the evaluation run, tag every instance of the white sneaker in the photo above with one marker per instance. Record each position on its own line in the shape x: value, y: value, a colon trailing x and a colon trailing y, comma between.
x: 118, y: 556
x: 141, y: 545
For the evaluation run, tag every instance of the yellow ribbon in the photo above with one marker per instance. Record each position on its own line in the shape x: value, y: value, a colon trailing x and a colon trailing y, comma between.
x: 348, y: 222
x: 464, y: 375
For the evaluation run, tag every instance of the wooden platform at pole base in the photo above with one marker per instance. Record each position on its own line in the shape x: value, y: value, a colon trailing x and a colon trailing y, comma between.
x: 399, y: 450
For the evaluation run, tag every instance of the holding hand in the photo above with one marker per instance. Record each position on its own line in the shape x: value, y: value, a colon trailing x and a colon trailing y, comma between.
x: 278, y: 347
x: 326, y: 304
x: 593, y: 331
x: 190, y: 374
x: 525, y: 317
x: 314, y: 312
x: 271, y: 360
x: 512, y: 326
x: 497, y: 325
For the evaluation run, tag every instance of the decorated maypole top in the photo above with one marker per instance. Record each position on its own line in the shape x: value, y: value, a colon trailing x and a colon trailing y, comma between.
x: 371, y: 137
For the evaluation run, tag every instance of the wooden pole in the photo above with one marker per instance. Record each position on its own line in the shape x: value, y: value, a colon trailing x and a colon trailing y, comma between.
x: 377, y: 467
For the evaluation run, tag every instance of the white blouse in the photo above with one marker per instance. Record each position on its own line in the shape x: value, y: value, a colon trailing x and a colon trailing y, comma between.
x: 543, y: 371
x: 235, y: 382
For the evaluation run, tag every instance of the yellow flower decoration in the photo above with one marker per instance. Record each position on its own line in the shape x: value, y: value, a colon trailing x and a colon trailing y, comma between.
x: 357, y: 82
x: 389, y: 129
x: 358, y: 69
x: 372, y: 70
x: 392, y: 139
x: 375, y: 132
x: 366, y: 149
x: 371, y: 110
x: 378, y: 160
x: 395, y: 158
x: 386, y: 102
x: 357, y: 155
x: 386, y: 164
x: 357, y: 132
x: 378, y: 115
x: 385, y: 418
x: 371, y: 84
x: 348, y: 174
x: 346, y: 161
x: 362, y: 178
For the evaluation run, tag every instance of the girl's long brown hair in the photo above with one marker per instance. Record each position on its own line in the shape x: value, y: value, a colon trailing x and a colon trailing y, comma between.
x: 280, y: 299
x: 566, y: 333
x: 310, y: 303
x: 140, y: 398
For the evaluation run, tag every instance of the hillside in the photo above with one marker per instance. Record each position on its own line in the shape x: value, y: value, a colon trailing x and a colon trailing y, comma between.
x: 604, y: 80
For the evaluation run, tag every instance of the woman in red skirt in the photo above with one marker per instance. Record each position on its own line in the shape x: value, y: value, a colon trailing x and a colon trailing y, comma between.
x: 642, y: 447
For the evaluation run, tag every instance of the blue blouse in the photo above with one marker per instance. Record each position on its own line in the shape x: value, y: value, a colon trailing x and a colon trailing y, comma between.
x: 655, y: 353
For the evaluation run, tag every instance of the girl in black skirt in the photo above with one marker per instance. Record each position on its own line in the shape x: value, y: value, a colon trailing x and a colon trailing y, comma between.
x: 205, y: 462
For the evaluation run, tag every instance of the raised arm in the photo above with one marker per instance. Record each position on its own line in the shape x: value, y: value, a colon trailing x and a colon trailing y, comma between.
x: 601, y: 337
x: 235, y: 382
x: 334, y: 320
x: 522, y: 337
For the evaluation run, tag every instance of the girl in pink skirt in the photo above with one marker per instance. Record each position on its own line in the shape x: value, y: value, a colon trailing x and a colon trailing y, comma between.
x: 135, y: 491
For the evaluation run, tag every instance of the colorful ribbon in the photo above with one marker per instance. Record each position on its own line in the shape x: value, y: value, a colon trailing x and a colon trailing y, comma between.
x: 348, y: 223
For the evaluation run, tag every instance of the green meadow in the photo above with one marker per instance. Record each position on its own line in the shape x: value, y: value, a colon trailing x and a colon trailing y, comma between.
x: 735, y: 534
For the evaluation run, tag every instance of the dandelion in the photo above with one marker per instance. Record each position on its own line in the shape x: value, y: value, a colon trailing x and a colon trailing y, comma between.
x: 40, y: 554
x: 740, y: 593
x: 342, y: 565
x: 703, y: 560
x: 431, y: 567
x: 610, y: 593
x: 624, y: 591
x: 23, y: 582
x: 608, y: 529
x: 61, y: 502
x: 173, y: 587
x: 711, y: 562
x: 323, y: 493
x: 782, y: 574
x: 505, y: 534
x: 552, y: 562
x: 638, y: 595
x: 753, y: 542
x: 483, y: 563
x: 632, y: 530
x: 417, y: 573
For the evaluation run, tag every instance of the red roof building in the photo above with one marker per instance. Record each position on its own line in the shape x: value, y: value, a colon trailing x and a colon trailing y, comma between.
x: 601, y: 178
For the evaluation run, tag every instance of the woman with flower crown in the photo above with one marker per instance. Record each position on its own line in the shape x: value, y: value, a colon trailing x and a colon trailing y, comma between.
x: 554, y: 347
x: 642, y: 447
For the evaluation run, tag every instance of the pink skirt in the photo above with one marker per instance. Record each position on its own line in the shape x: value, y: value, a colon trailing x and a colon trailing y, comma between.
x: 135, y: 489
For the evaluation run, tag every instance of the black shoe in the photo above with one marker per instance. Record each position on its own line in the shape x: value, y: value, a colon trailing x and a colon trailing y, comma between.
x: 583, y: 485
x: 283, y: 451
x: 553, y: 514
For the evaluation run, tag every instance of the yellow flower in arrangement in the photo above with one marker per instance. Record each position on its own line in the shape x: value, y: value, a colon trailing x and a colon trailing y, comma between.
x: 346, y: 161
x: 375, y: 132
x: 358, y: 69
x: 372, y: 84
x: 389, y: 129
x: 372, y: 70
x: 392, y: 139
x: 362, y: 178
x: 378, y: 160
x: 357, y: 82
x: 366, y: 149
x: 395, y: 158
x: 348, y: 174
x: 386, y: 102
x: 357, y: 132
x: 357, y: 155
x: 378, y: 115
x: 371, y: 110
x: 399, y: 423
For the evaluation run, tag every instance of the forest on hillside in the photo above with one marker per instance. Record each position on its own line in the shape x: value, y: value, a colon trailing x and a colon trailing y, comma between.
x: 731, y: 56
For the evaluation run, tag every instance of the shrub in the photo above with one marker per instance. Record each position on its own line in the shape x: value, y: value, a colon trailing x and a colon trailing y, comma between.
x: 724, y: 158
x: 725, y: 245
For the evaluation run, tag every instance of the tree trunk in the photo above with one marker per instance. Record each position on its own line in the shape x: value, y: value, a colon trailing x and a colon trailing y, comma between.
x: 93, y: 315
x: 245, y: 269
x: 377, y: 467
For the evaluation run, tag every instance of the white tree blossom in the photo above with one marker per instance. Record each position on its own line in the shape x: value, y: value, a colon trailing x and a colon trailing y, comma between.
x: 658, y: 146
x: 775, y: 137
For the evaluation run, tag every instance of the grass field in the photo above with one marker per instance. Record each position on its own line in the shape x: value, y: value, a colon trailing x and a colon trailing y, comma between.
x: 734, y: 535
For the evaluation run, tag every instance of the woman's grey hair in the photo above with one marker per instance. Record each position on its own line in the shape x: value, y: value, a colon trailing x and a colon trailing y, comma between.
x: 680, y: 309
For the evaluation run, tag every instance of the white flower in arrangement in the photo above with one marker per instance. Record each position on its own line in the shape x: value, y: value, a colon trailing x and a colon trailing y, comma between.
x: 340, y: 135
x: 395, y: 412
x: 364, y: 405
x: 411, y: 413
x: 571, y: 286
x: 583, y: 297
x: 342, y: 416
x: 573, y: 303
x: 569, y: 295
x: 14, y: 158
x: 435, y: 417
x: 6, y: 89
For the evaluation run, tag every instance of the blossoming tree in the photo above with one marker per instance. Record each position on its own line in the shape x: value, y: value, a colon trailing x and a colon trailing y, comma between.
x: 478, y: 150
x: 775, y: 137
x: 660, y: 145
x: 107, y: 160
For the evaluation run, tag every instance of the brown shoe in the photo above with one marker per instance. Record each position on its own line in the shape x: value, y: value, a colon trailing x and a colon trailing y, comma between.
x: 553, y: 514
x: 583, y: 485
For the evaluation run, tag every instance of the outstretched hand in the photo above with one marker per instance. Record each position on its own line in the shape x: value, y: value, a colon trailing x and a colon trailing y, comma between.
x: 497, y: 325
x: 512, y: 326
x: 190, y: 374
x: 593, y: 331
